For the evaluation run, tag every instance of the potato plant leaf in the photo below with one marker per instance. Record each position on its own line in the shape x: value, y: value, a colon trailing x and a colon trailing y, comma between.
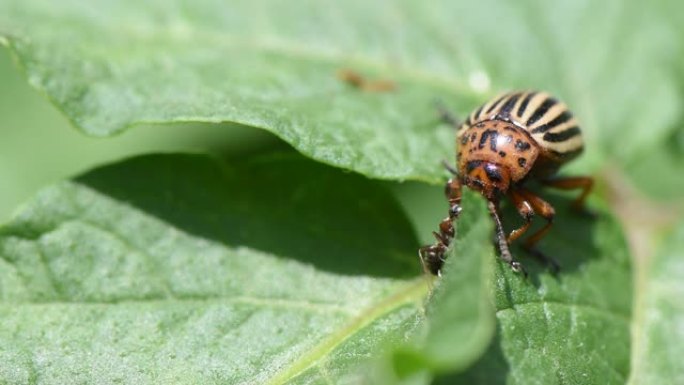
x: 273, y: 65
x: 658, y: 332
x: 569, y: 328
x: 176, y: 269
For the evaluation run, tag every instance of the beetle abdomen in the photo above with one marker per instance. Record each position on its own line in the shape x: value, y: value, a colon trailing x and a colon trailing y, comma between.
x: 545, y: 118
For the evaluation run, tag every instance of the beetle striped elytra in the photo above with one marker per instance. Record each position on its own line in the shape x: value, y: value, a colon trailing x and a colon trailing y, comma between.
x: 514, y: 137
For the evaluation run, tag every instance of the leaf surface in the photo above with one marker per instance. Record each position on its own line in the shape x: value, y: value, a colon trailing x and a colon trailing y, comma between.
x: 176, y: 269
x: 570, y: 328
x: 658, y: 325
x: 273, y: 65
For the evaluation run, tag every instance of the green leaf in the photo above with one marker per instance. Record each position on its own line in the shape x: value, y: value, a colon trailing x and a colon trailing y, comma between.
x: 176, y: 269
x: 461, y: 316
x: 459, y: 320
x: 268, y: 64
x: 659, y: 320
x: 569, y: 329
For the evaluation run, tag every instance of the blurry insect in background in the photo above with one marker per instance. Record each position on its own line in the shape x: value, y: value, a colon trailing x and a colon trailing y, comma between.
x: 514, y: 137
x: 355, y: 80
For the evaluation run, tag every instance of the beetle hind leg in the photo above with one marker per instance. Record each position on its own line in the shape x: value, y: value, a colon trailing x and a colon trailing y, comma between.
x: 573, y: 183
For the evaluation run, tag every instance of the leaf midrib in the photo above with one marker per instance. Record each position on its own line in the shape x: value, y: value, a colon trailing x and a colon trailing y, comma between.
x: 589, y: 307
x: 414, y: 292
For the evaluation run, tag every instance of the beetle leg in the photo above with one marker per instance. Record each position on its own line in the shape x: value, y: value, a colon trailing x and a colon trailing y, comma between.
x: 572, y: 183
x: 546, y: 211
x: 432, y: 256
x: 501, y: 239
x: 525, y: 210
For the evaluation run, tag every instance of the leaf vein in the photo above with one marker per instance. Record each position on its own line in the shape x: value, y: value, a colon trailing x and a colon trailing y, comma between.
x: 606, y: 311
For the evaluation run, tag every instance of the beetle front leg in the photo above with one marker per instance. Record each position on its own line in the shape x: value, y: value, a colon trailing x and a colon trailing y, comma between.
x: 502, y: 242
x: 432, y: 256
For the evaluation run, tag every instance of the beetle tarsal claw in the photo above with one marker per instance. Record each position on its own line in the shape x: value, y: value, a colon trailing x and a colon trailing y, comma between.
x: 517, y: 267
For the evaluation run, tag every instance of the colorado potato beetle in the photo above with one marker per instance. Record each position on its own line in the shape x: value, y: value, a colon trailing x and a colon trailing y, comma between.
x: 515, y: 137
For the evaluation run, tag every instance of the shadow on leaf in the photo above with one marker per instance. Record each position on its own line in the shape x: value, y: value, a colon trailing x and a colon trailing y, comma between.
x: 284, y: 205
x: 490, y: 369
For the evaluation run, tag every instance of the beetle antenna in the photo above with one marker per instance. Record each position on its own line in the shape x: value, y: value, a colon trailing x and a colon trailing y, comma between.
x: 445, y: 115
x: 449, y: 168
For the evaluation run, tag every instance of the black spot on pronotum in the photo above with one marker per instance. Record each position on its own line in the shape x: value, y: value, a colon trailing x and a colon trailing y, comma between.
x: 521, y: 145
x: 473, y: 164
x: 490, y: 135
x: 522, y: 162
x: 473, y: 137
x: 502, y: 154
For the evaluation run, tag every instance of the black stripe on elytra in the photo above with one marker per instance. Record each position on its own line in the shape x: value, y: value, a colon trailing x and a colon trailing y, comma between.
x: 558, y: 120
x: 496, y: 104
x: 567, y: 154
x: 493, y: 173
x: 563, y: 135
x: 492, y: 135
x: 521, y: 146
x: 505, y: 111
x: 477, y: 113
x: 473, y: 164
x: 541, y: 111
x: 525, y: 102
